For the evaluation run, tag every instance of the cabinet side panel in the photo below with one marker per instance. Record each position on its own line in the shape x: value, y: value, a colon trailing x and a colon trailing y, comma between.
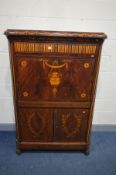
x: 96, y: 72
x: 12, y: 65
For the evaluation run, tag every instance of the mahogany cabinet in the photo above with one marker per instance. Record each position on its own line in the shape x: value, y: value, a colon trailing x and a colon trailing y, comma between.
x: 54, y: 83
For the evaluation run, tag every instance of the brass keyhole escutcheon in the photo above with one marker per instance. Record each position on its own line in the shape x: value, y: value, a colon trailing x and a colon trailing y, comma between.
x: 24, y: 63
x: 92, y: 56
x: 25, y: 94
x: 83, y: 95
x: 86, y: 65
x: 83, y: 112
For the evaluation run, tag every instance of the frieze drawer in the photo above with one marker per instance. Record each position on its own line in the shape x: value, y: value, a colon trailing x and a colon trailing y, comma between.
x: 61, y: 48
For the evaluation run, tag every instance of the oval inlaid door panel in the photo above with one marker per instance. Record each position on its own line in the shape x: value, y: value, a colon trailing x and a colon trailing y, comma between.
x: 36, y: 124
x: 71, y: 124
x: 54, y: 79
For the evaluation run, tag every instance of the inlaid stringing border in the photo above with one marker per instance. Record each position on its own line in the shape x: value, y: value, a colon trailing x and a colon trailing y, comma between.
x: 55, y: 48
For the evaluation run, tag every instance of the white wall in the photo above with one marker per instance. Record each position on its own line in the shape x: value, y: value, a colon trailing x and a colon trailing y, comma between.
x: 69, y: 15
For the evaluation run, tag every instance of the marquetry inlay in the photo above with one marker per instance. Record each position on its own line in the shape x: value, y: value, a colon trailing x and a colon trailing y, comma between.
x: 83, y: 95
x: 24, y: 63
x: 33, y: 117
x: 55, y: 75
x: 25, y: 94
x: 65, y: 126
x: 86, y: 65
x: 55, y: 47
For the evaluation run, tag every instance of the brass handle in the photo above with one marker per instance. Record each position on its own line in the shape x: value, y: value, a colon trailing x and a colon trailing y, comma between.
x: 92, y: 56
x: 83, y: 112
x: 86, y: 65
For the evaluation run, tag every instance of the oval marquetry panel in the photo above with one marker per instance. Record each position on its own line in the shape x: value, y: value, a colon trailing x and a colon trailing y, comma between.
x: 36, y: 124
x: 66, y: 124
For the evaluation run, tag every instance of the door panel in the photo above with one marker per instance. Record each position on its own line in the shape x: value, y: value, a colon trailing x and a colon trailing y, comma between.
x: 54, y: 79
x: 35, y: 124
x: 71, y: 125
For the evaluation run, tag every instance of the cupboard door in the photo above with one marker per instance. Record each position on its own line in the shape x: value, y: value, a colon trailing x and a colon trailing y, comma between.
x: 54, y: 79
x: 71, y: 125
x: 35, y: 124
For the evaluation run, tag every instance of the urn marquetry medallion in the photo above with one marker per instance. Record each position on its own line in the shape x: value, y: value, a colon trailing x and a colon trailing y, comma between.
x: 54, y: 78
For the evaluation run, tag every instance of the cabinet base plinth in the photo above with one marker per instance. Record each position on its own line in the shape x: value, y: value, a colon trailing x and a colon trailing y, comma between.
x: 82, y: 146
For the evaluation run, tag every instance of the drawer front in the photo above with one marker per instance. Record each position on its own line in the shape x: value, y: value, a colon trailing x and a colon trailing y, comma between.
x: 54, y: 78
x: 35, y: 124
x: 71, y: 125
x: 88, y: 49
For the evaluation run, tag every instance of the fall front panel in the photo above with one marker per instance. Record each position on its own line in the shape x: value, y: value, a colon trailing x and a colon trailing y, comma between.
x: 54, y: 78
